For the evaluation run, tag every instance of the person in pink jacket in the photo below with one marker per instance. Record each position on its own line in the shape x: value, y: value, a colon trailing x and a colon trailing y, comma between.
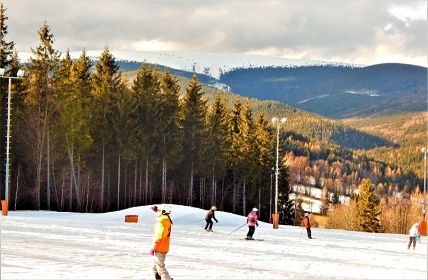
x: 252, y: 223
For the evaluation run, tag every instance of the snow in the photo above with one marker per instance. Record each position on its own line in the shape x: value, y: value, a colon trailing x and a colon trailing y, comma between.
x: 54, y: 245
x: 211, y: 64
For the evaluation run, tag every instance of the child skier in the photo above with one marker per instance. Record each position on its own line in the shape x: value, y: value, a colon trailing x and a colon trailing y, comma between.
x: 252, y: 223
x: 208, y: 218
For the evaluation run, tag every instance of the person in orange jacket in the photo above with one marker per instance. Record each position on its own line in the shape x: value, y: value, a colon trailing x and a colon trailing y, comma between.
x: 307, y: 224
x: 161, y: 241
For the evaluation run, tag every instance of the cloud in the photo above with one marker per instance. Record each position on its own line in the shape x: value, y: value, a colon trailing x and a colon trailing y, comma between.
x: 361, y: 31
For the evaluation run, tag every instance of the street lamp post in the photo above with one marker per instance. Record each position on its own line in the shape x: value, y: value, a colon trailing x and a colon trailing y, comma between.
x: 278, y: 123
x: 270, y: 197
x: 19, y: 75
x: 424, y: 150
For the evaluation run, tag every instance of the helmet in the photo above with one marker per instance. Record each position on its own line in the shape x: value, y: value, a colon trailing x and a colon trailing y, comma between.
x: 166, y: 208
x: 255, y: 209
x: 213, y: 208
x: 306, y: 214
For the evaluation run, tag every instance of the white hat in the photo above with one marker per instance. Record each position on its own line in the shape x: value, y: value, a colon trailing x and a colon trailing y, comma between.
x: 255, y: 209
x: 166, y: 208
x: 306, y: 214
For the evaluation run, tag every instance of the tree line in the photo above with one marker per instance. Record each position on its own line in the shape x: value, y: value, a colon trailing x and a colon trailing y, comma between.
x: 86, y: 139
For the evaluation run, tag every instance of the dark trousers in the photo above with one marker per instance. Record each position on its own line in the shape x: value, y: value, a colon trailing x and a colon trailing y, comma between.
x: 209, y: 224
x: 411, y: 240
x: 308, y: 231
x: 251, y: 230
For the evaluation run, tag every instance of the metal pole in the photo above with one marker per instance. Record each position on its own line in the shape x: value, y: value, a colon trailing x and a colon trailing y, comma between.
x: 276, y: 121
x: 6, y: 179
x: 19, y: 75
x: 276, y: 169
x: 424, y: 150
x: 270, y: 199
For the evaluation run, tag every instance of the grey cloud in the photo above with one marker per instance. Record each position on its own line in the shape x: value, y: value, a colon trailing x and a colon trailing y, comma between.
x: 319, y: 29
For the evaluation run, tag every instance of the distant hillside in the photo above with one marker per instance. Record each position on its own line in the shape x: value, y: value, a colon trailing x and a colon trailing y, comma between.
x: 336, y: 91
x: 332, y: 89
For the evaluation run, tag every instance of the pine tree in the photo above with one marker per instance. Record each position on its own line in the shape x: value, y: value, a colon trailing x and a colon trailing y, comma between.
x: 146, y: 89
x: 40, y: 85
x: 169, y: 132
x: 287, y: 207
x: 218, y: 143
x: 106, y: 84
x: 367, y: 208
x: 194, y: 110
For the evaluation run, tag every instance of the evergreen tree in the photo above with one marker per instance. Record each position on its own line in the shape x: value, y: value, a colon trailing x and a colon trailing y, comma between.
x: 367, y: 208
x: 287, y: 207
x: 193, y: 120
x: 146, y: 90
x: 40, y: 85
x: 106, y: 84
x: 264, y: 151
x: 169, y: 134
x: 218, y: 142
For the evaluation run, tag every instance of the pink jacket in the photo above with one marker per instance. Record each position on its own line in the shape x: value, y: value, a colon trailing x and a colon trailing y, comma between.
x: 252, y: 219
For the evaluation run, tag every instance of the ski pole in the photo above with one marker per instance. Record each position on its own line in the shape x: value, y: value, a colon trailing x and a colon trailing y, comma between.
x: 238, y: 228
x: 199, y: 220
x: 301, y: 233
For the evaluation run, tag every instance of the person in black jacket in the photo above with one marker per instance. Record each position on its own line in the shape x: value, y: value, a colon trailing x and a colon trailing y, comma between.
x: 208, y: 218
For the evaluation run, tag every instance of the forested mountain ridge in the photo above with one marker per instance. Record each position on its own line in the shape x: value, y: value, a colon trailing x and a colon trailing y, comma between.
x: 376, y: 90
x: 383, y: 89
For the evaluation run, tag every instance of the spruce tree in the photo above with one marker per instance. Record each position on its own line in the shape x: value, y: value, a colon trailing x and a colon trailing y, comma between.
x: 287, y: 207
x: 218, y: 143
x: 194, y: 111
x: 40, y: 107
x: 368, y: 208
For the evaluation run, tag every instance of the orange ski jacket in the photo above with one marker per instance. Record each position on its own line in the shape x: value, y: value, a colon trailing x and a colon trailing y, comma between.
x: 162, y: 234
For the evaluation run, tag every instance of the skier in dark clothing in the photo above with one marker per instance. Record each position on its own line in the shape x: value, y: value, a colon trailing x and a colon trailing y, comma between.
x: 208, y: 218
x: 307, y: 224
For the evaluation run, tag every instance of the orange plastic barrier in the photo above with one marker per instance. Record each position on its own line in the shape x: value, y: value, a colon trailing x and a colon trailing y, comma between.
x: 275, y: 218
x: 4, y: 207
x: 423, y: 228
x: 131, y: 218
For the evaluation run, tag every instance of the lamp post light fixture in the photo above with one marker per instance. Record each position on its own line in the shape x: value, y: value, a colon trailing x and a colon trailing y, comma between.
x: 19, y: 75
x: 278, y: 124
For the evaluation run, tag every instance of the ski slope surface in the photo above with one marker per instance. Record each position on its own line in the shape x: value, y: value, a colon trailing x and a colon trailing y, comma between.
x: 53, y: 245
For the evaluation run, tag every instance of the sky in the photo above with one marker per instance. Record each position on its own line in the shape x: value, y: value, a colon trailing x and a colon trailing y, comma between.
x: 53, y: 245
x: 357, y: 31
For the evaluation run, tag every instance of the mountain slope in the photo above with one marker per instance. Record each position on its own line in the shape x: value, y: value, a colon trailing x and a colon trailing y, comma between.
x: 333, y: 90
x: 336, y: 91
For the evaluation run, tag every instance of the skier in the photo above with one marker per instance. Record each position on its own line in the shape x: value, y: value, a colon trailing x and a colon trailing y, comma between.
x: 307, y: 224
x: 252, y: 223
x: 413, y: 234
x: 208, y: 218
x: 161, y: 240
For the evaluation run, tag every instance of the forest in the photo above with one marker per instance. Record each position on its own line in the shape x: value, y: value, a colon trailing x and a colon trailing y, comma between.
x: 88, y: 138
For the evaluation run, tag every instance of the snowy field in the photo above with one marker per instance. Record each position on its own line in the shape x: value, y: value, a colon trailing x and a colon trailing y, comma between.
x: 51, y: 245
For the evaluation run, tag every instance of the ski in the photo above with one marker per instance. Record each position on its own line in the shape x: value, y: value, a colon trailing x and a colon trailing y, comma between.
x: 254, y: 239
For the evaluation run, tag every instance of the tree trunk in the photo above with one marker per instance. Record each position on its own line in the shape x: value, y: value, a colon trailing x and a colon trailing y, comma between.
x: 118, y: 183
x: 48, y: 186
x: 102, y: 179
